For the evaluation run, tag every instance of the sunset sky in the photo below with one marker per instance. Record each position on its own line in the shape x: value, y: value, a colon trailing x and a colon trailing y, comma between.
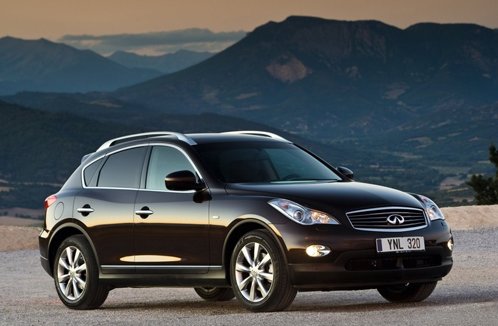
x: 55, y: 18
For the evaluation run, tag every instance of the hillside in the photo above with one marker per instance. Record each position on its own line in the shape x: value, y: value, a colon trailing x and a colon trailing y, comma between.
x: 335, y: 79
x: 41, y: 65
x: 33, y: 142
x: 426, y: 95
x: 166, y: 63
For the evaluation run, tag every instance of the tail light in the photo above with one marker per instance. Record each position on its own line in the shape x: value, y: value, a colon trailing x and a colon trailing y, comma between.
x: 49, y: 201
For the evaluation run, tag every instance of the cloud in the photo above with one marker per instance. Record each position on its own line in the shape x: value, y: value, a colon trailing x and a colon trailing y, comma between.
x: 195, y: 39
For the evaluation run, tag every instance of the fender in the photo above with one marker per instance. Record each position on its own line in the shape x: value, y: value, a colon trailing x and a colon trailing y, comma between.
x: 73, y: 223
x: 255, y: 219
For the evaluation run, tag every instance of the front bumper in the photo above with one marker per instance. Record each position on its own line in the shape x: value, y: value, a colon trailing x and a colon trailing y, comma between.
x: 367, y: 269
x: 354, y: 262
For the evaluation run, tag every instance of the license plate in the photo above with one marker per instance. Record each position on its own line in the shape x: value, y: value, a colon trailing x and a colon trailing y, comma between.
x: 404, y: 244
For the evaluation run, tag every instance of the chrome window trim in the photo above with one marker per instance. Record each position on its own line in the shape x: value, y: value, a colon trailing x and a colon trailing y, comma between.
x: 141, y: 189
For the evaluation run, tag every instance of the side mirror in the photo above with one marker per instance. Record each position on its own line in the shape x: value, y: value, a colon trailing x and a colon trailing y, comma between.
x: 183, y: 181
x: 345, y: 171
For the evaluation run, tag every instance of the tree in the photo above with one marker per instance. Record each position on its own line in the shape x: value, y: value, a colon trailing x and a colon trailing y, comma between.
x: 486, y: 188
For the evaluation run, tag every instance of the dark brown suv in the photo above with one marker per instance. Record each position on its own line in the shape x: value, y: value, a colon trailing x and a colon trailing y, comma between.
x: 246, y: 214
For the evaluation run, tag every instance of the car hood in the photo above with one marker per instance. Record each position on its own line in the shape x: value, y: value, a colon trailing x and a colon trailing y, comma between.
x: 330, y: 196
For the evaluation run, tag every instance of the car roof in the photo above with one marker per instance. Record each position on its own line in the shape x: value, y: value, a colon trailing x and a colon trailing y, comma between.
x: 193, y: 139
x: 189, y: 139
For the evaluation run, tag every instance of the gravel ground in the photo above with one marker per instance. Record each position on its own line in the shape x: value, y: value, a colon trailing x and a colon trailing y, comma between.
x: 467, y: 296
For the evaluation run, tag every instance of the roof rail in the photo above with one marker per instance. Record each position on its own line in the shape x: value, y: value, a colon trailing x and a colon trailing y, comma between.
x: 258, y: 133
x: 144, y: 135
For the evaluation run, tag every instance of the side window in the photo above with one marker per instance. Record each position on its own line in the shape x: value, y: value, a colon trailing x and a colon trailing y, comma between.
x: 89, y: 175
x: 122, y: 169
x: 163, y: 161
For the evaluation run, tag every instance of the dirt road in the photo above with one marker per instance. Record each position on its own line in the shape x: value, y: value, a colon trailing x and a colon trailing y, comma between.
x: 468, y: 296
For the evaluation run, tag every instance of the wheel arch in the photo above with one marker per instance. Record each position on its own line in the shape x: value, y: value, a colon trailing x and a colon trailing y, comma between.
x: 60, y: 234
x: 243, y: 227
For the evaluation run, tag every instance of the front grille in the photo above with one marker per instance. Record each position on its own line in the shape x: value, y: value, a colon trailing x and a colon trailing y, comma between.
x: 376, y: 219
x: 390, y: 263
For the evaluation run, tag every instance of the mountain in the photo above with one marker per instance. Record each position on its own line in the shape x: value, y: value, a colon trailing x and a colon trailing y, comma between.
x: 166, y: 63
x: 41, y: 65
x: 412, y: 108
x: 425, y: 97
x: 335, y: 79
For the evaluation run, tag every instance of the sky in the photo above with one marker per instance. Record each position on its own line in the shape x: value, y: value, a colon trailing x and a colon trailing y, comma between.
x: 54, y: 19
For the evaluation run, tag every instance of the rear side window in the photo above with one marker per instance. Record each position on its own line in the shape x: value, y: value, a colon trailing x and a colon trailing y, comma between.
x: 89, y: 174
x: 163, y: 161
x: 122, y: 169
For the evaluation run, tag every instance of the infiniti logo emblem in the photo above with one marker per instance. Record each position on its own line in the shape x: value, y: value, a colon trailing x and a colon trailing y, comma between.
x: 395, y: 219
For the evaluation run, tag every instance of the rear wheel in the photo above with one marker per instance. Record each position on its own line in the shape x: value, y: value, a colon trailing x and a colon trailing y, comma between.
x: 409, y: 292
x: 215, y: 294
x: 76, y: 275
x: 259, y: 275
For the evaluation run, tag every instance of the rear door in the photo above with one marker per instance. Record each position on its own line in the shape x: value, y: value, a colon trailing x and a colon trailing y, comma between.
x: 173, y: 236
x: 105, y: 206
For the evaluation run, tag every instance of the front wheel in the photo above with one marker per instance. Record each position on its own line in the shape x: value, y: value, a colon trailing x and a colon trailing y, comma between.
x: 76, y: 275
x: 259, y: 275
x: 409, y: 292
x: 215, y: 294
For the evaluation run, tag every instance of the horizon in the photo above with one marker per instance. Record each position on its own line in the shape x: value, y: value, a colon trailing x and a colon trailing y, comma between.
x: 32, y: 19
x: 197, y: 39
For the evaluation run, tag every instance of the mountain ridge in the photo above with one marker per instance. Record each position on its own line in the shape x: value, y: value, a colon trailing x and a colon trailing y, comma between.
x: 43, y: 65
x: 365, y: 62
x: 166, y: 63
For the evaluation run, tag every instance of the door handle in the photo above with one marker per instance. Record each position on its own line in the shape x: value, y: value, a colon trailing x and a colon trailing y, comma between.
x: 85, y: 210
x: 144, y: 212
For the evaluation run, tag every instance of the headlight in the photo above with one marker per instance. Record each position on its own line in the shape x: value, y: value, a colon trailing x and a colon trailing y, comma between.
x: 431, y: 209
x: 301, y: 214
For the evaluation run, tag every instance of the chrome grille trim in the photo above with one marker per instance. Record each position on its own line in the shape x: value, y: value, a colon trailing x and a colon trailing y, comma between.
x: 375, y: 219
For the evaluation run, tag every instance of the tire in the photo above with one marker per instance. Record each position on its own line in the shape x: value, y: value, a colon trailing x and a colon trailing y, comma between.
x: 410, y: 292
x: 215, y: 294
x: 259, y: 274
x: 76, y: 275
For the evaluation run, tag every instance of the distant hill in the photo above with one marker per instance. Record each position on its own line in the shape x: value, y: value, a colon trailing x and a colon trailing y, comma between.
x: 41, y: 65
x: 167, y: 63
x: 335, y: 79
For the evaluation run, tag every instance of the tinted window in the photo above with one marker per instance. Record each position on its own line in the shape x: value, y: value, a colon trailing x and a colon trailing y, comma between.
x: 123, y: 169
x: 263, y: 162
x: 89, y: 174
x: 163, y: 161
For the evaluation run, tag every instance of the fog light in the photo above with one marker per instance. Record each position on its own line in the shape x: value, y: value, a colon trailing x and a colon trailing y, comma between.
x: 317, y: 251
x: 450, y: 244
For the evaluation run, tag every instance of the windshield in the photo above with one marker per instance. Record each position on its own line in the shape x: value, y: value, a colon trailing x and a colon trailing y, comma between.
x: 263, y: 162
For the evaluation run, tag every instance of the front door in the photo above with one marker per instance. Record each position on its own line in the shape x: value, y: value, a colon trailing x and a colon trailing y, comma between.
x: 171, y: 230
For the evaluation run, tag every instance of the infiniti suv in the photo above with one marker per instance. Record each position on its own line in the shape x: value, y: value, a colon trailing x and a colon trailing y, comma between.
x: 244, y: 214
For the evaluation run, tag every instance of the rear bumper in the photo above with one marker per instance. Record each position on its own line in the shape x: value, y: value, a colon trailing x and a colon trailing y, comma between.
x: 43, y: 246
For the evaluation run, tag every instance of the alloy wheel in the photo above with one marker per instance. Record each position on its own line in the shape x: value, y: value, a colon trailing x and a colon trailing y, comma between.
x: 254, y: 272
x: 72, y: 273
